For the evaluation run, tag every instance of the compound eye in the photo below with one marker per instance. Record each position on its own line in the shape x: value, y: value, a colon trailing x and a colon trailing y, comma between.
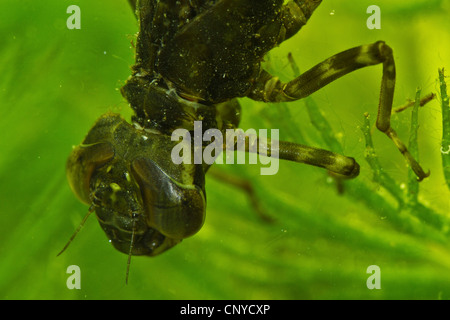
x: 82, y: 163
x: 174, y: 209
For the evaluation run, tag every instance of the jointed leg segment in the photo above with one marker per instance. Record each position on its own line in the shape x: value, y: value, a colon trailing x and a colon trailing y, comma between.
x: 336, y: 163
x: 271, y: 89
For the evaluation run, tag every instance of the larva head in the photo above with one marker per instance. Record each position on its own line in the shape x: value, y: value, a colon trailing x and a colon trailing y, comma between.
x: 142, y: 208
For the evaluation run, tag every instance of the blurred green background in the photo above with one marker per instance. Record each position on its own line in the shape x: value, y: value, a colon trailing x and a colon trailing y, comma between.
x: 55, y: 82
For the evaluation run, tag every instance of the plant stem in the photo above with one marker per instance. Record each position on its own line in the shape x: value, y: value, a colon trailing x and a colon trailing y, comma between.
x: 445, y: 146
x: 379, y: 176
x: 413, y: 184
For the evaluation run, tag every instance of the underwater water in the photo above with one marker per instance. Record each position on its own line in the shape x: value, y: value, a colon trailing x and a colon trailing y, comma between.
x: 55, y: 82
